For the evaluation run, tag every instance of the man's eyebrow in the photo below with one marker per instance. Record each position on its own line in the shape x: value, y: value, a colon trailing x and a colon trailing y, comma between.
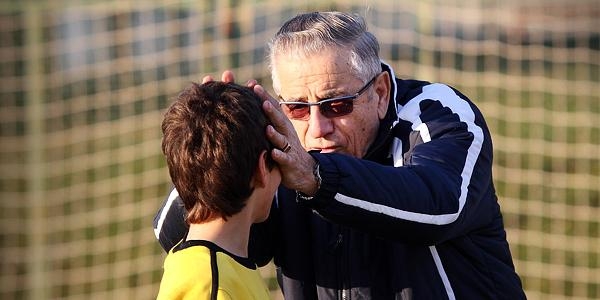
x: 329, y: 95
x: 299, y: 99
x: 332, y: 94
x: 326, y: 95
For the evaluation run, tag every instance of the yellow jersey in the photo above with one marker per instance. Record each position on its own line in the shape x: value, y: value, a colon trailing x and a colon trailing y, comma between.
x: 199, y: 269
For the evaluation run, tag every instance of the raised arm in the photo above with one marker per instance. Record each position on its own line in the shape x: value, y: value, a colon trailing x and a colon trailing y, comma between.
x: 439, y: 186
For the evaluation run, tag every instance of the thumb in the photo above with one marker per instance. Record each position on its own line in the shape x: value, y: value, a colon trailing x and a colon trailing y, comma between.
x: 262, y: 93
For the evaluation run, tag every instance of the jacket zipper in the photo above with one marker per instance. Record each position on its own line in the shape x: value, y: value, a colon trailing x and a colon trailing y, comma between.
x: 339, y: 252
x: 346, y: 266
x: 342, y: 265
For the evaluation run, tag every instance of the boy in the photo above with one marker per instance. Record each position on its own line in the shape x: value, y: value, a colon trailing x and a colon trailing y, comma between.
x: 218, y: 159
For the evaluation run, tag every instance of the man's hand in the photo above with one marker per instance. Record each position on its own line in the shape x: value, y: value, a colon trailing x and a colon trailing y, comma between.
x: 228, y: 76
x: 295, y: 163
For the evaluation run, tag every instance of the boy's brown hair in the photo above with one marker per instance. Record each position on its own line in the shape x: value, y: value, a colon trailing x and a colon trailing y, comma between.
x: 213, y: 135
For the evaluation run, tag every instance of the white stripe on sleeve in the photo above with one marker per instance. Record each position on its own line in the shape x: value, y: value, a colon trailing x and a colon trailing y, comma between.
x: 165, y: 210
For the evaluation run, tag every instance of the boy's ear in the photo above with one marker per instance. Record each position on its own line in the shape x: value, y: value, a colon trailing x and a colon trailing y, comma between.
x: 262, y: 171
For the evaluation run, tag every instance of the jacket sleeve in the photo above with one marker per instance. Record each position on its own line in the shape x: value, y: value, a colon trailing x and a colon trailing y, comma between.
x: 169, y: 222
x: 436, y: 185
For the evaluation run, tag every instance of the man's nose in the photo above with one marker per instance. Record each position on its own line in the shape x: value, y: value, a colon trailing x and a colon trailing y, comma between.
x: 318, y: 125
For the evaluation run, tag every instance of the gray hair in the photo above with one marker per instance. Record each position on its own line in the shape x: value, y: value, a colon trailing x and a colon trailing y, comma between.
x: 310, y: 33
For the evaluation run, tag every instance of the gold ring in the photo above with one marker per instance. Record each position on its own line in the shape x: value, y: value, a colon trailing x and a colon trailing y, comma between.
x: 286, y: 148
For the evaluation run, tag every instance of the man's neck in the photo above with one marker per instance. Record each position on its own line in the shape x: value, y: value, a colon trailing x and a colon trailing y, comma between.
x: 231, y: 235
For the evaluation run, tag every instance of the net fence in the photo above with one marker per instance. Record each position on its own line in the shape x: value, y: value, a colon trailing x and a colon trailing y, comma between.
x: 84, y: 85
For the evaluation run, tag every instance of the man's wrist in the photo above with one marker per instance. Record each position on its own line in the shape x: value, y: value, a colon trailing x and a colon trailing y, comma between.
x: 317, y: 178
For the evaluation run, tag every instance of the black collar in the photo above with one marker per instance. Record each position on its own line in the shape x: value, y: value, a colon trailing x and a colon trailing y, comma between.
x: 377, y: 151
x: 245, y: 261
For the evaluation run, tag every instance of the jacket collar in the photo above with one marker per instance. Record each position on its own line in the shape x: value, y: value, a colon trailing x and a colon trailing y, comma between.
x: 377, y: 151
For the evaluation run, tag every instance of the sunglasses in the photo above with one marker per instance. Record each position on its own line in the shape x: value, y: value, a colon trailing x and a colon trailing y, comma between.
x: 330, y: 108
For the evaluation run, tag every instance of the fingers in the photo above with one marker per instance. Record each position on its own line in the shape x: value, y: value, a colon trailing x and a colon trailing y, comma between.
x: 227, y: 76
x: 206, y: 79
x: 273, y: 111
x: 260, y: 91
x: 286, y: 148
x: 251, y: 83
x: 294, y: 162
x: 279, y: 121
x: 278, y: 140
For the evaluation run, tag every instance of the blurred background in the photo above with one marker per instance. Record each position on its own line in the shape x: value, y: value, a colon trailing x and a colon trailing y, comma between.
x: 83, y: 85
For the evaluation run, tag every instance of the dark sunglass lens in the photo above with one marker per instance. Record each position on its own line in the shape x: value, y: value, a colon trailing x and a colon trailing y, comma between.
x: 337, y: 108
x: 296, y: 111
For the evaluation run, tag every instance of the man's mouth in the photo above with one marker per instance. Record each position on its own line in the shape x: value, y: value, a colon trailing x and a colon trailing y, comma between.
x: 327, y: 150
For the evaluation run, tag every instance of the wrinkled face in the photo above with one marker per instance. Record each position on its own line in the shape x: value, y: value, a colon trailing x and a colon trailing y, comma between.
x: 326, y: 75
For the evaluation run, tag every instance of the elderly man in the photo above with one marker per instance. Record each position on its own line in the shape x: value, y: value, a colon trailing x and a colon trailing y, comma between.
x: 387, y: 183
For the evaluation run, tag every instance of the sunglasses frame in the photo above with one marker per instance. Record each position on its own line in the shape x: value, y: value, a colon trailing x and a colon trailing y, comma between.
x: 327, y: 113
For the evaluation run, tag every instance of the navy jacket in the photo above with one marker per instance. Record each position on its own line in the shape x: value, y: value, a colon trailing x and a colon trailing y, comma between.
x: 416, y: 218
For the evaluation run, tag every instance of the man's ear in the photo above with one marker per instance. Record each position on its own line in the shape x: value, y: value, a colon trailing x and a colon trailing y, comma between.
x: 382, y: 88
x: 262, y: 170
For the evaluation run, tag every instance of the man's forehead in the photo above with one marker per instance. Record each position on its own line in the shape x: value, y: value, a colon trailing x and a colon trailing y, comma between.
x: 318, y: 86
x: 315, y: 74
x: 334, y: 59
